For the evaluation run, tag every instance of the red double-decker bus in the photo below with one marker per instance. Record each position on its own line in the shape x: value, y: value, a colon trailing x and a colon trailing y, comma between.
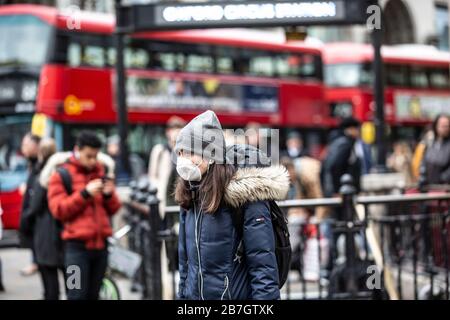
x: 244, y: 75
x: 416, y: 77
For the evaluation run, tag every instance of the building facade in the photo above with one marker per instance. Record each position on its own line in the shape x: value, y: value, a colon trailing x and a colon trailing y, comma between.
x: 405, y: 21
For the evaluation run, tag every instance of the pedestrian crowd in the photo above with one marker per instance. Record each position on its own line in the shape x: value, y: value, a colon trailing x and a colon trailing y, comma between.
x: 228, y: 246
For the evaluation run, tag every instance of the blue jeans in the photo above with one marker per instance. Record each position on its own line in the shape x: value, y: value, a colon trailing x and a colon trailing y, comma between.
x: 326, y: 230
x: 91, y: 265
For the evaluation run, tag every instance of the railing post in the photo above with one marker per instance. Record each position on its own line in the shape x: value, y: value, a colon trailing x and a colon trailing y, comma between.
x: 131, y: 219
x: 348, y: 192
x: 142, y: 230
x: 155, y: 243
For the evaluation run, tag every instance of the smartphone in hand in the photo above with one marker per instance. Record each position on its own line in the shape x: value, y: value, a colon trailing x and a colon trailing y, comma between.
x: 105, y: 179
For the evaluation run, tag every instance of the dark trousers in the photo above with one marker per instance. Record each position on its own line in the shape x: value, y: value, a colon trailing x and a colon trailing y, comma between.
x: 33, y: 255
x: 85, y: 270
x: 50, y: 282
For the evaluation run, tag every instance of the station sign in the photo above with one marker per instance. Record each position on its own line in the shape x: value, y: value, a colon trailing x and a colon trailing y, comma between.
x: 176, y: 15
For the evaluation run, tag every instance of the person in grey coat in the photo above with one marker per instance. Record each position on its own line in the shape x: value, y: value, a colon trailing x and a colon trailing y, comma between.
x: 435, y: 167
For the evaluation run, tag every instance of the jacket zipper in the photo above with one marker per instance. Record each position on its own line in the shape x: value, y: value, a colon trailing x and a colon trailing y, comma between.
x: 94, y: 205
x: 201, y: 272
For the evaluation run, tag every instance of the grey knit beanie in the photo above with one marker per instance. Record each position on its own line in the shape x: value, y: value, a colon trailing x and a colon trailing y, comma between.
x: 203, y: 136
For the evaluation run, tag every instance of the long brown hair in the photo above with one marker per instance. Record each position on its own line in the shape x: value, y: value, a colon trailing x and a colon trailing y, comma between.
x: 212, y: 188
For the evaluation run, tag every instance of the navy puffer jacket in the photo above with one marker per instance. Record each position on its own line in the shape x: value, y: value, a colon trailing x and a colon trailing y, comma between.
x: 208, y: 242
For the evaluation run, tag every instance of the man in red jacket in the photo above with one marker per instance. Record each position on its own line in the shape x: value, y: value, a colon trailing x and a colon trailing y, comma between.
x: 85, y: 214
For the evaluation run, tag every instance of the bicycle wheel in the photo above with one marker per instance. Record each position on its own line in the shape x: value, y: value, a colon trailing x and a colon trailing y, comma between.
x: 109, y: 290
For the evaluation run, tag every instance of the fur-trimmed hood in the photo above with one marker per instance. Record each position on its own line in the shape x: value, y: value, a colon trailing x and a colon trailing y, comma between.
x: 257, y: 184
x: 60, y: 157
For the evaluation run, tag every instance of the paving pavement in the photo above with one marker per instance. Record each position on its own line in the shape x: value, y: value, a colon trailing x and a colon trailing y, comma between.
x: 19, y: 287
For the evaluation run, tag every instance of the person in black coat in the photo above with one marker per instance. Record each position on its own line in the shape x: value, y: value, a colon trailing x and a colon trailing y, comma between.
x: 46, y: 236
x: 341, y: 158
x: 29, y: 149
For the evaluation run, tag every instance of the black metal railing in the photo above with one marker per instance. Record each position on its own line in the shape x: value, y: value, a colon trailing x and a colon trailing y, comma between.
x: 373, y: 247
x: 147, y: 233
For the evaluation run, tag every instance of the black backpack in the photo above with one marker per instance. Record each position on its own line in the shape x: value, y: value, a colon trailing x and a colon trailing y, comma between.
x: 241, y: 154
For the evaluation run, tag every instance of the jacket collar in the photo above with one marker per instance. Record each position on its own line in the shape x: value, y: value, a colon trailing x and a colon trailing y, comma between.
x: 257, y: 184
x: 80, y: 168
x: 60, y: 158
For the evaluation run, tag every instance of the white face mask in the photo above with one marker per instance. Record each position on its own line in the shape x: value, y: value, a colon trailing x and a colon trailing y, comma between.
x: 188, y: 170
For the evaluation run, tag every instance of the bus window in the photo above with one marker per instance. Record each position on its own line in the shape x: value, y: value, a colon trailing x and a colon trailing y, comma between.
x: 224, y: 65
x: 226, y: 58
x: 172, y: 61
x: 168, y: 61
x: 155, y: 62
x: 177, y: 56
x: 87, y: 50
x: 287, y: 65
x: 241, y: 66
x: 308, y: 66
x: 164, y: 56
x: 397, y: 75
x: 199, y: 60
x: 94, y: 56
x: 13, y: 166
x: 136, y: 58
x: 261, y: 63
x: 439, y: 78
x: 111, y: 57
x: 74, y: 55
x: 347, y: 75
x: 34, y: 36
x: 419, y: 77
x: 366, y: 74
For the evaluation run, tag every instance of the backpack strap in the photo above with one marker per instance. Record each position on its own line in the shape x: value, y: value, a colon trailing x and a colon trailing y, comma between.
x: 66, y: 179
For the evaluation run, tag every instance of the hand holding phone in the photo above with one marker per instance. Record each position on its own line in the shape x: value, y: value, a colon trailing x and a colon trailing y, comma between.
x: 108, y: 185
x: 94, y: 187
x: 106, y: 179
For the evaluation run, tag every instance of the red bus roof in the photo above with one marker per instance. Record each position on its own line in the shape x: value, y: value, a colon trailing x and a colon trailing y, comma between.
x: 240, y: 37
x: 104, y: 23
x: 404, y: 54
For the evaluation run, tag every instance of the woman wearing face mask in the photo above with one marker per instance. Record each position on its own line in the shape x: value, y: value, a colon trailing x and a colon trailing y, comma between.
x: 209, y: 192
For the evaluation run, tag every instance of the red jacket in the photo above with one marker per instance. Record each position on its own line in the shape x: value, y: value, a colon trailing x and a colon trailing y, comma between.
x: 84, y: 218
